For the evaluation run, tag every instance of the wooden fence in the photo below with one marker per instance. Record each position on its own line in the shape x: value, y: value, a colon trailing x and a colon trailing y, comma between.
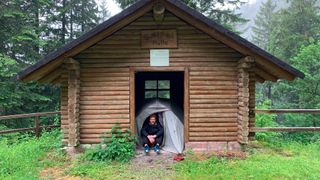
x: 286, y: 129
x: 37, y: 128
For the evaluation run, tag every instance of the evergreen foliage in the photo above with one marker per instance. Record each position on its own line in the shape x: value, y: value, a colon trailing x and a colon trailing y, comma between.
x: 28, y: 31
x: 292, y: 34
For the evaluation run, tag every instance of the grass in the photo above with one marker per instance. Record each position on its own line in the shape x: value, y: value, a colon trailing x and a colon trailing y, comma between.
x: 291, y: 161
x: 28, y: 157
x: 24, y: 157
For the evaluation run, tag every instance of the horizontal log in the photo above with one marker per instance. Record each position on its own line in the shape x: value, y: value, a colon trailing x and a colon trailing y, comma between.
x: 213, y: 129
x: 212, y: 134
x: 94, y: 74
x: 210, y: 120
x: 104, y: 84
x: 121, y: 65
x: 213, y: 92
x: 216, y: 48
x: 102, y: 126
x: 206, y: 96
x: 109, y: 102
x: 212, y: 83
x: 157, y: 27
x: 104, y: 70
x: 284, y: 129
x: 127, y: 55
x: 104, y: 121
x: 144, y: 24
x: 28, y: 115
x: 103, y: 93
x: 102, y: 98
x: 213, y: 78
x: 110, y: 61
x: 104, y: 79
x: 106, y: 88
x: 102, y: 112
x: 94, y: 136
x: 212, y: 115
x: 105, y: 116
x: 214, y: 124
x: 98, y: 131
x: 206, y: 69
x: 215, y: 73
x: 104, y: 107
x: 213, y: 101
x: 279, y: 111
x: 218, y: 110
x: 215, y: 87
x: 104, y: 102
x: 204, y: 59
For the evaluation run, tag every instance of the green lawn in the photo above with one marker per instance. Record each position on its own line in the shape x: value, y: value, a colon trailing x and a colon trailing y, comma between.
x: 24, y: 157
x: 29, y: 158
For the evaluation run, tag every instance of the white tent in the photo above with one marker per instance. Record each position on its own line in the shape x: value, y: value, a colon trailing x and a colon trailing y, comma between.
x: 169, y: 119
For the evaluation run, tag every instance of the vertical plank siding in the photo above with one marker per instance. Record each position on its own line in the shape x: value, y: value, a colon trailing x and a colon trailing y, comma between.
x: 105, y: 90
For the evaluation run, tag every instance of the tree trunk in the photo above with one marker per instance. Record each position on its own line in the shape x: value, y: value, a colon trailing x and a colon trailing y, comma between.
x: 63, y: 34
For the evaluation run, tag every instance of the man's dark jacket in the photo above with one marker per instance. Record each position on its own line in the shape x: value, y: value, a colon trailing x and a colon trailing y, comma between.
x: 149, y: 129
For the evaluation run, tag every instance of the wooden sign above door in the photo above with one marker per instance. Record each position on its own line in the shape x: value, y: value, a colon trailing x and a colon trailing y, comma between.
x: 156, y: 39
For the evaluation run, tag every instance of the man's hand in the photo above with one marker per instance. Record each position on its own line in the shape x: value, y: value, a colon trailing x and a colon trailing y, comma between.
x: 152, y: 138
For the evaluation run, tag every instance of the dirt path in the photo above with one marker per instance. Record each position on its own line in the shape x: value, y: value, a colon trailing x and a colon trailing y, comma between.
x: 142, y: 166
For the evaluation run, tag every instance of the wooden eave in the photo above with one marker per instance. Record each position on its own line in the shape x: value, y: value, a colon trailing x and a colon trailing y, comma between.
x: 268, y: 66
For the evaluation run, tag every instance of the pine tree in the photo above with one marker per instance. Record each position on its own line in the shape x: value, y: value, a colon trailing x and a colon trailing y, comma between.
x: 263, y: 25
x: 28, y: 31
x: 294, y: 27
x: 261, y: 37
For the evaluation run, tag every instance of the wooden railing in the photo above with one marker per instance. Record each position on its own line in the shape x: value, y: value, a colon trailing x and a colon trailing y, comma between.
x: 286, y: 129
x: 37, y: 128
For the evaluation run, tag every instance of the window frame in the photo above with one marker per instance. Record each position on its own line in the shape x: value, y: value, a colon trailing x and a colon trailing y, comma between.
x: 157, y: 89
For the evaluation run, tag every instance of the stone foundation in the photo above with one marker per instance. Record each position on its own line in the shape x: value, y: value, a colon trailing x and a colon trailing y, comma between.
x: 213, y: 146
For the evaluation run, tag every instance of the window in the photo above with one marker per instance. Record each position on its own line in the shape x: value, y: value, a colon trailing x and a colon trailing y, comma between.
x: 157, y: 89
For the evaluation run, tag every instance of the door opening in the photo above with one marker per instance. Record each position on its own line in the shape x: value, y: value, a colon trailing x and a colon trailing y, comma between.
x: 162, y: 94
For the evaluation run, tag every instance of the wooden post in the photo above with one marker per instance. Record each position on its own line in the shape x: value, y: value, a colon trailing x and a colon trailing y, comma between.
x: 73, y: 101
x: 186, y: 105
x: 37, y: 128
x: 252, y: 104
x: 244, y: 65
x: 132, y: 101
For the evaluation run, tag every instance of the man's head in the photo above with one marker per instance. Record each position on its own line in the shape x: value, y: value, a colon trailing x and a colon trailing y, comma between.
x: 152, y: 119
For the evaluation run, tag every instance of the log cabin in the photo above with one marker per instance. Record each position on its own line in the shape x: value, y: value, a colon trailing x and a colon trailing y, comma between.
x: 210, y: 74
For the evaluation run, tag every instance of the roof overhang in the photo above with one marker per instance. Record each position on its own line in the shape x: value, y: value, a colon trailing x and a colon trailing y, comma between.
x: 268, y: 67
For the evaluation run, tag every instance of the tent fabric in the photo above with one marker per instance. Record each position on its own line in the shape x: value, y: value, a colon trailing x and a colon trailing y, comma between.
x: 168, y: 116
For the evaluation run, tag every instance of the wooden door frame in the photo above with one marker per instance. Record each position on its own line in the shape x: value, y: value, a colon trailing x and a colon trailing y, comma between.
x: 134, y: 70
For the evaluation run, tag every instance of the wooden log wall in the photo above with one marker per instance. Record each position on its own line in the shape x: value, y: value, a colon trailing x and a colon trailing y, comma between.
x: 244, y: 65
x: 213, y: 86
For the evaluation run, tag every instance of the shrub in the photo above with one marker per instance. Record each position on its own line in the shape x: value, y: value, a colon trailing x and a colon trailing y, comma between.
x: 118, y: 147
x: 266, y: 120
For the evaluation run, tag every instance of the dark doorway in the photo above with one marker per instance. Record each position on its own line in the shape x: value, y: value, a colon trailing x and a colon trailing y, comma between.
x: 161, y: 85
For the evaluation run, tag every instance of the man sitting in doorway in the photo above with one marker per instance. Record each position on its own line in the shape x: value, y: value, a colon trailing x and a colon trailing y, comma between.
x: 152, y: 134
